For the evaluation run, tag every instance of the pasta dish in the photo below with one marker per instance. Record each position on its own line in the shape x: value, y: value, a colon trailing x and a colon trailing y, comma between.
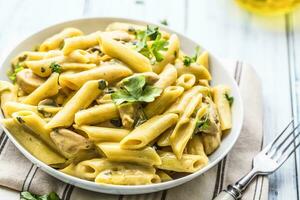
x: 123, y: 106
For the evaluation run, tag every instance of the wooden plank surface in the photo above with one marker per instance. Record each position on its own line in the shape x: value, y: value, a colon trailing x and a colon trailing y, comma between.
x: 271, y: 45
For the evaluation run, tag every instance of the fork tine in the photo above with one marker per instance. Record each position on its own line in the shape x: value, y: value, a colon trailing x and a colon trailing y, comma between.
x: 290, y: 143
x: 287, y: 155
x: 279, y: 153
x: 269, y: 146
x: 271, y: 153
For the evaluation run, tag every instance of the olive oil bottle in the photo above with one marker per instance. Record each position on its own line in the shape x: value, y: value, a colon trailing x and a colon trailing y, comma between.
x: 269, y: 7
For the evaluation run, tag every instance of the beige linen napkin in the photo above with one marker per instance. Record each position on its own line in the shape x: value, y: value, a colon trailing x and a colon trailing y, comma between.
x: 18, y: 173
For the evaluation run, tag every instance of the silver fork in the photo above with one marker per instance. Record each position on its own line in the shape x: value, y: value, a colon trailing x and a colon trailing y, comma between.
x: 265, y: 162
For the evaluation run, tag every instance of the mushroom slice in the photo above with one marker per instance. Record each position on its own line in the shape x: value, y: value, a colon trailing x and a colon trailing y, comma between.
x: 70, y: 143
x: 131, y: 114
x: 28, y: 81
x: 48, y: 107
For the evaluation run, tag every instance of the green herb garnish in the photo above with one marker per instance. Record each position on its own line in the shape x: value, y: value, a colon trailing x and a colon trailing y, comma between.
x: 13, y: 74
x: 134, y: 89
x: 187, y: 61
x: 230, y: 99
x: 29, y: 196
x: 202, y: 124
x: 55, y: 67
x: 152, y: 52
x: 164, y: 22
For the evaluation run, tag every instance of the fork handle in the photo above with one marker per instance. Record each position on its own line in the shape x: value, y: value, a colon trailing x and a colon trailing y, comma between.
x: 231, y: 193
x: 224, y: 196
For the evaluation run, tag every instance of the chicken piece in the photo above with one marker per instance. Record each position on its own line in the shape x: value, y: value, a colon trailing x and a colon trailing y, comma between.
x: 70, y: 143
x: 127, y: 113
x: 210, y: 123
x: 28, y: 81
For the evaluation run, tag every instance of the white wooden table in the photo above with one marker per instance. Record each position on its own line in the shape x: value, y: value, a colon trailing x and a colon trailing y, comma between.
x: 270, y: 44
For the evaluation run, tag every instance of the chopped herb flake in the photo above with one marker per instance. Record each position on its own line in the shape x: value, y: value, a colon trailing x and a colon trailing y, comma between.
x: 139, y: 2
x: 12, y: 75
x: 187, y: 61
x: 229, y: 98
x: 55, y: 67
x: 102, y: 84
x: 164, y: 22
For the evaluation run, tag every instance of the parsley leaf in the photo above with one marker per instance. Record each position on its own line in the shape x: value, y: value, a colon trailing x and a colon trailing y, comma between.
x: 159, y: 44
x: 55, y: 67
x: 12, y: 75
x: 187, y: 61
x: 134, y: 89
x: 29, y: 196
x: 230, y: 99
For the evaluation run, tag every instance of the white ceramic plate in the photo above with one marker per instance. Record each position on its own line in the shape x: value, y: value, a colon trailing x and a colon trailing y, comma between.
x: 219, y: 74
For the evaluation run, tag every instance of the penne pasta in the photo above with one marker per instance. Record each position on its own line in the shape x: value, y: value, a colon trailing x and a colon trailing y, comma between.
x: 47, y: 89
x: 170, y: 55
x: 199, y: 71
x: 77, y: 66
x: 8, y: 93
x: 203, y: 59
x: 180, y: 105
x: 88, y: 169
x: 42, y: 67
x: 167, y: 77
x: 136, y: 61
x: 188, y: 163
x: 181, y: 135
x: 187, y: 81
x: 97, y: 114
x: 130, y: 28
x: 103, y: 134
x: 110, y: 73
x: 56, y: 40
x: 164, y: 177
x: 126, y: 174
x: 80, y: 42
x: 82, y: 99
x: 148, y: 131
x: 162, y: 103
x: 83, y: 56
x: 164, y: 139
x: 32, y: 143
x: 35, y: 55
x: 221, y: 99
x: 36, y: 124
x: 146, y: 156
x: 12, y: 107
x: 195, y: 146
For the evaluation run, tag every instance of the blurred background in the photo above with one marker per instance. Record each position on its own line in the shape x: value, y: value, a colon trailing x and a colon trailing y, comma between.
x: 268, y: 38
